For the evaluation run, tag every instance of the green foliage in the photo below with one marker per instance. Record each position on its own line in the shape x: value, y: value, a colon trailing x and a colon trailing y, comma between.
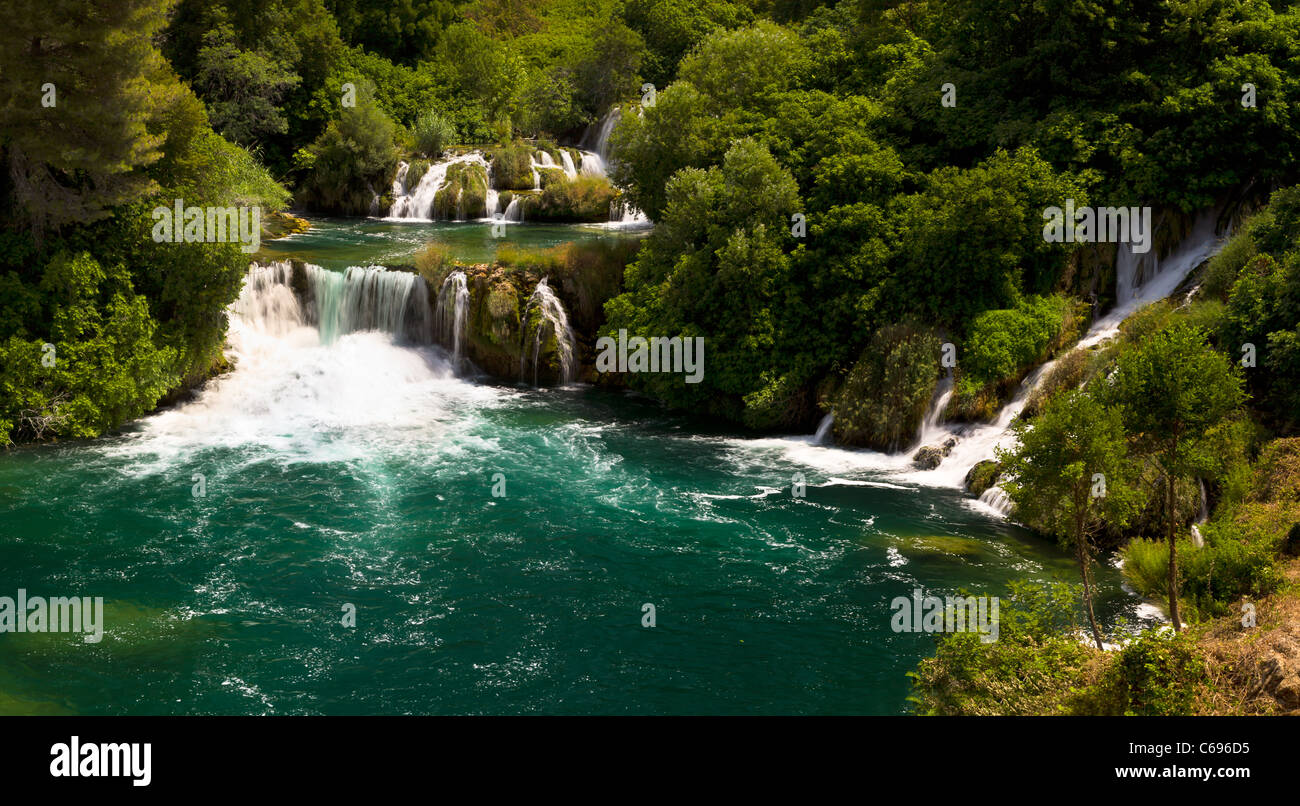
x: 106, y: 366
x: 1002, y: 343
x: 463, y: 193
x: 404, y: 32
x: 351, y: 158
x: 714, y: 266
x: 1263, y: 317
x: 73, y: 161
x: 1174, y: 388
x: 974, y: 238
x: 242, y: 88
x: 1030, y: 669
x: 1154, y: 675
x: 584, y: 199
x: 512, y: 168
x: 1069, y: 469
x: 886, y: 393
x: 433, y: 134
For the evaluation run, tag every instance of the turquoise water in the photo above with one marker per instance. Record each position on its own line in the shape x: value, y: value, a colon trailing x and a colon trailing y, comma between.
x: 361, y: 474
x: 337, y: 243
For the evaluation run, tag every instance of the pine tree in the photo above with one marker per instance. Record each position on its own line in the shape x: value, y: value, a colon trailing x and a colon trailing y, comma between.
x: 81, y: 83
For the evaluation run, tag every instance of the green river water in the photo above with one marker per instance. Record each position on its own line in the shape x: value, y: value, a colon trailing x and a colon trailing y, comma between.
x: 360, y: 474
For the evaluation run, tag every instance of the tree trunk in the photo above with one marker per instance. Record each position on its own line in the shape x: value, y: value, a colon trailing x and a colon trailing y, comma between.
x: 1173, y: 553
x: 1082, y: 555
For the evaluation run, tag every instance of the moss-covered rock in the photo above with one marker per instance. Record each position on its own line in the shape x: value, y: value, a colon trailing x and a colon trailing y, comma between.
x: 463, y: 194
x: 982, y: 476
x: 884, y: 397
x: 512, y: 168
x: 584, y: 200
x: 415, y: 172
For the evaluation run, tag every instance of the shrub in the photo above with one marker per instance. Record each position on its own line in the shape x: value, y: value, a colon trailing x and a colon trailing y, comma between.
x: 433, y: 134
x: 1002, y: 343
x: 512, y: 168
x: 1157, y: 674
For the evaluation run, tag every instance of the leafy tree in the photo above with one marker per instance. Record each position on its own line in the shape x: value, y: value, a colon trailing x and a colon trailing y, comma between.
x: 405, y: 31
x: 1069, y: 473
x: 350, y: 159
x: 714, y: 267
x: 242, y: 88
x: 1174, y: 389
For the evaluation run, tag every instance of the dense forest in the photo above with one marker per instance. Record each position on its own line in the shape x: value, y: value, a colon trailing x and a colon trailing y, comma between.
x: 839, y: 191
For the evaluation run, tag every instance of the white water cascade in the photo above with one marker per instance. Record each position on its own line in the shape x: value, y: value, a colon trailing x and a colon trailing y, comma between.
x: 1140, y: 280
x: 296, y: 397
x: 1201, y: 517
x: 569, y: 170
x: 552, y: 318
x: 595, y: 162
x: 416, y: 204
x: 450, y: 316
x: 823, y: 435
x: 514, y: 212
x: 360, y: 299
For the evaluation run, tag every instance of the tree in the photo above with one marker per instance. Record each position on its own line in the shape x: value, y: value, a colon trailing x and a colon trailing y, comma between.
x: 351, y: 156
x: 242, y: 88
x: 715, y: 266
x: 78, y: 93
x: 1068, y: 474
x: 1174, y: 389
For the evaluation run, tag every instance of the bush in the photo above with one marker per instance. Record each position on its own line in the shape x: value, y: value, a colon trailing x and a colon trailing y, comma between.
x: 585, y: 199
x: 1002, y: 343
x: 1155, y: 675
x: 434, y: 262
x: 512, y: 168
x: 433, y: 134
x: 1029, y: 670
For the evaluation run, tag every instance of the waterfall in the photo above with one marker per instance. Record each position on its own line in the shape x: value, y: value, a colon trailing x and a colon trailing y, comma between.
x: 551, y: 315
x: 449, y: 316
x: 824, y: 429
x: 399, y: 181
x: 267, y: 303
x: 1201, y: 517
x: 996, y: 499
x: 417, y: 203
x: 514, y: 211
x: 625, y: 215
x: 931, y: 429
x: 1140, y: 280
x: 595, y: 162
x: 569, y: 171
x: 360, y: 299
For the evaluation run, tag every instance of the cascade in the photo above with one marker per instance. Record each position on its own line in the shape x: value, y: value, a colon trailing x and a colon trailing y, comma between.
x: 417, y: 203
x: 823, y: 435
x: 551, y: 315
x: 449, y: 316
x: 1140, y: 280
x: 360, y: 299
